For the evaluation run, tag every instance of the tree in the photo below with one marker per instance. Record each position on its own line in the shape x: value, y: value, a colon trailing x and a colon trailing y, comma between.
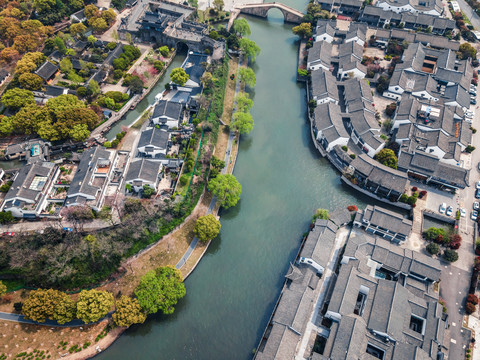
x: 77, y: 29
x: 387, y: 157
x: 66, y: 65
x: 109, y: 16
x: 303, y: 30
x: 432, y: 234
x: 179, y: 76
x: 247, y: 77
x: 136, y: 84
x: 93, y: 305
x: 16, y: 98
x: 321, y: 214
x: 217, y: 163
x: 92, y: 39
x: 241, y: 27
x: 43, y: 6
x: 6, y: 217
x: 433, y: 248
x: 91, y: 11
x: 50, y: 304
x: 218, y: 4
x: 60, y: 44
x: 79, y: 132
x: 3, y: 289
x: 147, y: 191
x: 207, y: 79
x: 160, y: 290
x: 466, y: 50
x: 244, y: 103
x: 227, y: 190
x: 207, y: 227
x: 450, y: 255
x: 128, y: 312
x: 93, y: 87
x: 6, y: 125
x: 164, y: 51
x: 30, y: 81
x: 249, y: 48
x: 242, y: 122
x: 98, y: 24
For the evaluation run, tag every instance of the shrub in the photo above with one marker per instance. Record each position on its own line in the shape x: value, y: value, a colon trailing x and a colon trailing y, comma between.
x: 469, y: 149
x: 433, y: 248
x: 414, y: 189
x: 352, y: 208
x: 470, y: 308
x: 183, y: 179
x: 450, y: 255
x: 472, y: 298
x: 344, y: 148
x: 353, y: 156
x: 403, y: 198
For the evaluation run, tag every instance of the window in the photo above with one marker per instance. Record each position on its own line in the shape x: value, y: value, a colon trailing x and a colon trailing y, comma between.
x: 417, y: 324
x: 375, y: 351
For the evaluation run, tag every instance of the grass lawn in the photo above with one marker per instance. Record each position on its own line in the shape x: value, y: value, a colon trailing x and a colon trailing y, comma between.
x: 230, y: 91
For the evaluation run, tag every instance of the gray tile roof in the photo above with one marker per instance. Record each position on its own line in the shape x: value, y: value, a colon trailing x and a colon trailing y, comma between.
x: 387, y: 219
x: 155, y: 137
x: 363, y: 121
x: 328, y: 115
x: 355, y: 89
x: 321, y: 51
x: 144, y: 170
x: 320, y: 242
x: 170, y: 109
x: 324, y: 85
x: 46, y: 70
x: 82, y: 181
x: 23, y: 186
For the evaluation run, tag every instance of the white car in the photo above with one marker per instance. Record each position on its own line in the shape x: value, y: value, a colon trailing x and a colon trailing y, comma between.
x: 476, y: 205
x: 463, y: 212
x: 469, y: 115
x: 477, y: 185
x: 474, y: 215
x: 443, y: 208
x: 449, y: 211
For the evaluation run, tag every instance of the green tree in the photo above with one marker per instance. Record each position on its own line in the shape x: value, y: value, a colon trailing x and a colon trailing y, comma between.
x: 60, y: 44
x: 99, y: 25
x: 93, y: 305
x: 387, y: 157
x: 16, y: 98
x: 207, y: 79
x: 136, y: 84
x: 128, y: 312
x: 6, y: 217
x: 432, y: 234
x: 207, y: 227
x: 164, y: 50
x: 77, y: 29
x: 217, y: 163
x: 91, y: 11
x: 93, y: 87
x: 303, y: 30
x: 179, y: 76
x: 79, y: 132
x: 50, y: 304
x: 147, y: 191
x: 66, y: 65
x: 3, y: 289
x: 466, y: 50
x: 433, y: 248
x: 241, y: 27
x: 92, y: 39
x: 247, y: 77
x: 321, y: 214
x: 244, y: 103
x: 43, y: 6
x: 227, y: 190
x: 242, y: 122
x: 160, y: 290
x: 6, y: 125
x: 249, y: 48
x: 450, y: 255
x: 30, y: 81
x: 218, y: 4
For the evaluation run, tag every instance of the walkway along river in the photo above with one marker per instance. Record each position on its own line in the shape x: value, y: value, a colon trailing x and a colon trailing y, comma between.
x: 231, y: 294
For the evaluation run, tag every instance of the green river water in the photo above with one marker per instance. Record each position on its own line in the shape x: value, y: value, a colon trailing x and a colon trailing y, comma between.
x: 231, y: 294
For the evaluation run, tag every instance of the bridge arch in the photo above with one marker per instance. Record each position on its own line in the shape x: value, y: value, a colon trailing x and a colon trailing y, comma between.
x: 276, y: 12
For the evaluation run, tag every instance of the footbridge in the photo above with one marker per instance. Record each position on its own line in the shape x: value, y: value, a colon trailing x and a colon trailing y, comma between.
x: 290, y: 15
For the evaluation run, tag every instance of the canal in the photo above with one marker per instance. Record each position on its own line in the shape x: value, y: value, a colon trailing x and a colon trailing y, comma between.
x: 131, y: 116
x: 231, y: 294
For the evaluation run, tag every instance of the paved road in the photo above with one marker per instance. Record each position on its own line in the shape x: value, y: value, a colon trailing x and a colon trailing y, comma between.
x: 453, y: 289
x: 21, y: 319
x: 194, y: 242
x: 471, y: 15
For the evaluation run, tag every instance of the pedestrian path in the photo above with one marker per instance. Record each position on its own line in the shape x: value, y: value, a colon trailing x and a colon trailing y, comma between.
x: 228, y: 153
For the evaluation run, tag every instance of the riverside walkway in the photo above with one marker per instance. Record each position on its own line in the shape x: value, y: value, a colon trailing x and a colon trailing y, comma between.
x: 231, y: 137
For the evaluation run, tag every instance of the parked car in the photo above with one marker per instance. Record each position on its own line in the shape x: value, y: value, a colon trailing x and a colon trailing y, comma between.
x: 477, y: 194
x: 476, y: 205
x: 463, y: 212
x: 474, y: 215
x: 473, y: 101
x: 443, y: 208
x: 477, y: 185
x: 449, y: 211
x: 478, y: 166
x: 472, y: 92
x: 469, y: 115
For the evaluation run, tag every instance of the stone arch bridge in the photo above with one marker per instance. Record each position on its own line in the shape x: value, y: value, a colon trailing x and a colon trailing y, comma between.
x: 289, y: 14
